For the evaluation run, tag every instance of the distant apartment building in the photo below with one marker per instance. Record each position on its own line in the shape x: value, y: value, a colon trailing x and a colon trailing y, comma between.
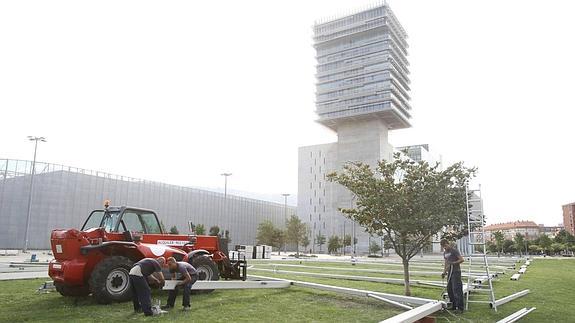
x: 551, y: 231
x: 529, y: 229
x: 569, y: 217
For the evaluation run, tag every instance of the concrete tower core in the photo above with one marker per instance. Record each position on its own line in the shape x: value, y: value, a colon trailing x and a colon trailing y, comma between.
x: 361, y: 93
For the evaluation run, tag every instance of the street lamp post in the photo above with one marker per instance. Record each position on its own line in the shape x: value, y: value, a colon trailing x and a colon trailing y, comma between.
x: 225, y: 175
x: 285, y: 195
x: 353, y: 224
x: 35, y: 139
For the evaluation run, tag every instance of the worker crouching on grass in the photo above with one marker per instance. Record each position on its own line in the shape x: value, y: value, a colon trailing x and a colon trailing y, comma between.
x: 188, y: 276
x: 147, y: 268
x: 452, y: 269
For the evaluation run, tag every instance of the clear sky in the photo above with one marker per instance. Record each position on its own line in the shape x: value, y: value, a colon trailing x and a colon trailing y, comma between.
x: 182, y: 91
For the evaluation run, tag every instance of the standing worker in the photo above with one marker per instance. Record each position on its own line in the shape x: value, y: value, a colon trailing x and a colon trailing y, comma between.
x: 188, y: 276
x: 147, y: 268
x: 452, y: 270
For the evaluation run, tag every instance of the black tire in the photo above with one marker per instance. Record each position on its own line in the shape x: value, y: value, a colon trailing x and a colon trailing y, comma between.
x: 72, y: 291
x: 110, y: 280
x: 207, y: 270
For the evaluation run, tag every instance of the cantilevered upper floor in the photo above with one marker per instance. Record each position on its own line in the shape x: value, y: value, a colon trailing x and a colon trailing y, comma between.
x: 362, y: 70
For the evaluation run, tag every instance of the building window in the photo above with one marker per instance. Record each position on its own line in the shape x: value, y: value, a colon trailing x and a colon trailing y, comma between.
x: 311, y: 170
x: 310, y: 217
x: 310, y: 185
x: 310, y: 201
x: 320, y: 216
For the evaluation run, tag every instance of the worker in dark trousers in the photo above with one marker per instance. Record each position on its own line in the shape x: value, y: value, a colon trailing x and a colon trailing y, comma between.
x: 147, y: 268
x: 452, y: 270
x: 188, y: 276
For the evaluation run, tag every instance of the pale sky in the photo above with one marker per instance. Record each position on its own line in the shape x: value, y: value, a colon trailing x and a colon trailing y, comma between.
x: 182, y: 91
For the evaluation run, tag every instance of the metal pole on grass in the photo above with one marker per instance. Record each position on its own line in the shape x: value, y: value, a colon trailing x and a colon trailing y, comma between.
x: 285, y: 195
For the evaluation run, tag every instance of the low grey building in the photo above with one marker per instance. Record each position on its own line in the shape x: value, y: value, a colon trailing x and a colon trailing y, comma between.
x: 63, y: 197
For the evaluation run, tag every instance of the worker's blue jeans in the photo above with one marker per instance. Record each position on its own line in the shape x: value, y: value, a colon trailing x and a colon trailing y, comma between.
x: 187, y: 289
x: 141, y: 294
x: 455, y: 289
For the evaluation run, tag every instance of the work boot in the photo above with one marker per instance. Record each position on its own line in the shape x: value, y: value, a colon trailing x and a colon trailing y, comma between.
x: 187, y: 308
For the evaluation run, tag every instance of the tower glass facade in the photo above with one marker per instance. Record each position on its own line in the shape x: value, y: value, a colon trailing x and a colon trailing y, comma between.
x: 362, y: 70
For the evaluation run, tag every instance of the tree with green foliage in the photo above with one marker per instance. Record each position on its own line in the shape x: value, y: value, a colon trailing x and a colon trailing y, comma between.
x: 295, y: 231
x: 200, y: 229
x: 269, y: 234
x: 174, y: 230
x: 320, y: 240
x: 280, y: 238
x: 508, y: 246
x: 215, y: 231
x: 333, y: 244
x: 499, y: 238
x: 534, y: 249
x: 557, y: 247
x: 346, y: 242
x: 374, y: 247
x: 305, y: 242
x: 519, y: 240
x: 565, y: 238
x: 545, y: 243
x: 408, y: 201
x: 266, y: 233
x: 387, y: 245
x: 491, y: 247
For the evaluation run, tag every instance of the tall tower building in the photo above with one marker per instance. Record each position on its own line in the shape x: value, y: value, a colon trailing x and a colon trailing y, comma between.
x: 361, y: 94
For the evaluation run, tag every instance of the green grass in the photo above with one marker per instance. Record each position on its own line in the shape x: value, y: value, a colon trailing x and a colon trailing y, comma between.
x: 550, y: 281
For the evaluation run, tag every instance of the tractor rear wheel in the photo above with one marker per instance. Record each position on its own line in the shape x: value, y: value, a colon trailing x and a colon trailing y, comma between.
x: 207, y: 270
x: 110, y: 280
x: 74, y: 291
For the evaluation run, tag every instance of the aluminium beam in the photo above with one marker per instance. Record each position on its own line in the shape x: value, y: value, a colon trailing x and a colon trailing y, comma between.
x: 351, y: 291
x: 380, y: 271
x: 388, y: 301
x: 234, y: 284
x: 416, y: 313
x: 399, y: 281
x: 509, y: 298
x: 517, y: 315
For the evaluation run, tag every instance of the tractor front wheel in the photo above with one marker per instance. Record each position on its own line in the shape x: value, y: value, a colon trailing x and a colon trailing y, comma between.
x: 110, y: 280
x: 207, y: 270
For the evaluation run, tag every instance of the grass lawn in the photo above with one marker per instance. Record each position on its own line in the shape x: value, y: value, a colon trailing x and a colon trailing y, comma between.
x: 551, y: 283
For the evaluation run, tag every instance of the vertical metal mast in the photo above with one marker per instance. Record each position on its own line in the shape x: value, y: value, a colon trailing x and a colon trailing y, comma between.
x: 477, y: 250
